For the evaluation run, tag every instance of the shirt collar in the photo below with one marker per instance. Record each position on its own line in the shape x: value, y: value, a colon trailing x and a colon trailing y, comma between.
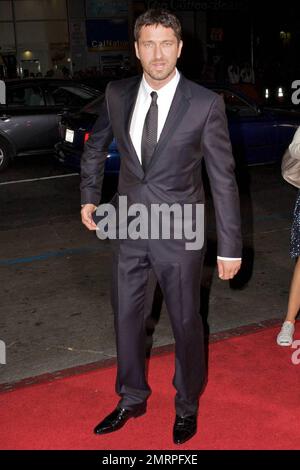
x: 166, y: 90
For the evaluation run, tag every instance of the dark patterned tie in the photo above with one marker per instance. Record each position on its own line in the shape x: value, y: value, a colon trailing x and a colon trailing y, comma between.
x: 149, y: 136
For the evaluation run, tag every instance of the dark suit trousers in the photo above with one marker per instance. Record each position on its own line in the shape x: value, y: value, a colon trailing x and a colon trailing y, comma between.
x: 179, y: 274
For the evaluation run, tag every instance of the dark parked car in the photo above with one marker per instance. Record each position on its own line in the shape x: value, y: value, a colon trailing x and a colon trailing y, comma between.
x: 75, y: 130
x: 29, y: 119
x: 258, y: 135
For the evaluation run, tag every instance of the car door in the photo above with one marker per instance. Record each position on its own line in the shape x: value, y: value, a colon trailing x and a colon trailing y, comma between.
x: 27, y: 119
x: 253, y: 133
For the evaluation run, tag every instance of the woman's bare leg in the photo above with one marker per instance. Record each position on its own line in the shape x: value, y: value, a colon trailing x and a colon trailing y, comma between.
x: 294, y: 296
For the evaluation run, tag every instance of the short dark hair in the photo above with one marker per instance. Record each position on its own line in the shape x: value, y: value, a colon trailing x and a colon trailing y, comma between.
x: 157, y: 17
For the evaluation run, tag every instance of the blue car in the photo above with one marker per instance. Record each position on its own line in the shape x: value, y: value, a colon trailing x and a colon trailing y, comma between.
x: 258, y: 134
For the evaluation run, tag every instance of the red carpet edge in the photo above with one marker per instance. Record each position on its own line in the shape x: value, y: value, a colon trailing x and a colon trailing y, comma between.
x: 81, y: 369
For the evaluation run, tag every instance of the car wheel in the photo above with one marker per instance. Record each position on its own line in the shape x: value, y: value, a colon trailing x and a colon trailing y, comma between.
x: 5, y: 154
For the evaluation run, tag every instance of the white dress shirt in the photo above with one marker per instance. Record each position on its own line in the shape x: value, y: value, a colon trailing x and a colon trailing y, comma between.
x: 165, y: 97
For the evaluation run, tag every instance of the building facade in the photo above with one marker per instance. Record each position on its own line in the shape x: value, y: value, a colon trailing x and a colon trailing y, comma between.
x: 41, y: 35
x: 66, y: 36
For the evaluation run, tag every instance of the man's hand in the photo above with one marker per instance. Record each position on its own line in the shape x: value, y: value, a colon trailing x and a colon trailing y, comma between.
x: 86, y: 216
x: 228, y: 269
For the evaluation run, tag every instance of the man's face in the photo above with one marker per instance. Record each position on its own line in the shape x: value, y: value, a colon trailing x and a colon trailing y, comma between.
x: 158, y: 50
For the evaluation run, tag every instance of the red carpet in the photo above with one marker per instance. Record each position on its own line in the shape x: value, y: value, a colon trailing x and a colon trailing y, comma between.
x: 251, y: 402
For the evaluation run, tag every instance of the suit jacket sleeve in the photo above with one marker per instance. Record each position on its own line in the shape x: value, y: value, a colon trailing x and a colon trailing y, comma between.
x: 94, y: 156
x: 220, y: 166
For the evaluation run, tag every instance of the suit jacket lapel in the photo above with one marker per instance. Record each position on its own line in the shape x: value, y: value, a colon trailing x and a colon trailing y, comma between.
x: 179, y: 106
x: 130, y: 97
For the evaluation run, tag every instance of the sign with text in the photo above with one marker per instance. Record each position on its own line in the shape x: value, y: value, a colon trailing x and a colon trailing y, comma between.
x: 107, y: 35
x: 198, y: 5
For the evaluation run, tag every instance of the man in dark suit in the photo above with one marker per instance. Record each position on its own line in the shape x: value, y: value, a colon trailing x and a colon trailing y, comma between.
x: 164, y: 125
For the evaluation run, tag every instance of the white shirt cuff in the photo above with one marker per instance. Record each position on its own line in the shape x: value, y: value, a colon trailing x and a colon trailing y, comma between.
x: 228, y: 259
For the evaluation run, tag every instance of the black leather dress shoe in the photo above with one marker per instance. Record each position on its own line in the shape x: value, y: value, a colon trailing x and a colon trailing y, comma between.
x: 117, y: 419
x: 184, y: 428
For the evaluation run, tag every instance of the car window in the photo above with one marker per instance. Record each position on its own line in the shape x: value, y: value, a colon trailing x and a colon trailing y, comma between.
x: 94, y: 106
x: 25, y: 96
x: 235, y: 104
x: 69, y: 95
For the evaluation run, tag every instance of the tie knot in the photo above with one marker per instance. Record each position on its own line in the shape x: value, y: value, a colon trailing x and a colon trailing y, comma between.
x: 154, y: 97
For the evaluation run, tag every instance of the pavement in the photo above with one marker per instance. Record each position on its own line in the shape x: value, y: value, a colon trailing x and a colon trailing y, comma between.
x: 55, y: 310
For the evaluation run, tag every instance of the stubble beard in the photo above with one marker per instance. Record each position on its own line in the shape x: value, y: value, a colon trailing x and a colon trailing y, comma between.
x: 159, y: 75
